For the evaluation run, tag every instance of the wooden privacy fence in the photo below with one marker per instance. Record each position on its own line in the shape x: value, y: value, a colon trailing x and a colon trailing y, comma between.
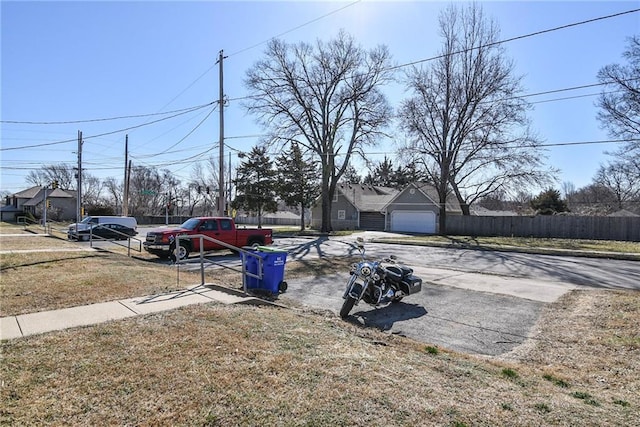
x: 564, y: 227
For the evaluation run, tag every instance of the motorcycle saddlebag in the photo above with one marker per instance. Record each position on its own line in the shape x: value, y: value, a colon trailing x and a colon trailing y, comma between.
x: 411, y: 285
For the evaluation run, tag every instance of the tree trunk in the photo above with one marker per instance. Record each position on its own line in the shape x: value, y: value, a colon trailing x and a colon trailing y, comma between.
x: 302, y: 217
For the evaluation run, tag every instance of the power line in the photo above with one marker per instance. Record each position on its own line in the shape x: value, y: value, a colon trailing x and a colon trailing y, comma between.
x: 186, y: 110
x: 524, y: 36
x: 256, y: 45
x: 46, y: 144
x: 498, y: 43
x: 295, y: 28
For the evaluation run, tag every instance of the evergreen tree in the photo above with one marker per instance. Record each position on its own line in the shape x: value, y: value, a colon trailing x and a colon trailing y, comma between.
x: 256, y: 184
x: 298, y: 184
x: 549, y: 203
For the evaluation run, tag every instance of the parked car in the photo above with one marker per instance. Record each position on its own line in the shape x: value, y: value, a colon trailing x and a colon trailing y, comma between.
x: 82, y: 228
x: 107, y: 231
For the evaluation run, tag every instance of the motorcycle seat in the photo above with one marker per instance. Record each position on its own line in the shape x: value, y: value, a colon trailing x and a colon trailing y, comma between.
x: 398, y: 272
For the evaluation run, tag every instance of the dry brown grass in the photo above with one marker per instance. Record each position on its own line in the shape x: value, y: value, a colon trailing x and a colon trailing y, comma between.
x: 61, y: 278
x: 240, y: 365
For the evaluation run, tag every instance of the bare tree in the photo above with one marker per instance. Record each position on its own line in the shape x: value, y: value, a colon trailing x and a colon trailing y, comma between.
x: 620, y: 100
x: 60, y: 172
x: 115, y: 191
x: 326, y: 97
x: 467, y: 126
x: 621, y: 179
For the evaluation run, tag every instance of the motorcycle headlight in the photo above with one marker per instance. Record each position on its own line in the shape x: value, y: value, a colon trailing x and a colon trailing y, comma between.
x: 365, y: 270
x: 354, y: 267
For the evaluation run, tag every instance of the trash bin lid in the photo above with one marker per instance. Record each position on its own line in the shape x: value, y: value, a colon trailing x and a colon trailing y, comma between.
x: 269, y: 249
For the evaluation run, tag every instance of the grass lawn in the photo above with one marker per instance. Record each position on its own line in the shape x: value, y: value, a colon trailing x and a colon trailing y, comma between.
x: 522, y: 243
x: 217, y: 365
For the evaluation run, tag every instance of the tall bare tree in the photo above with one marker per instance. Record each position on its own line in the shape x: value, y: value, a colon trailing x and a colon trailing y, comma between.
x: 467, y: 126
x: 620, y: 100
x: 620, y: 108
x: 61, y: 172
x: 326, y: 97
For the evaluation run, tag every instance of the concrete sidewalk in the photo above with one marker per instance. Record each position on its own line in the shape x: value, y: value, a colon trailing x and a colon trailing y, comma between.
x: 316, y: 292
x: 12, y: 327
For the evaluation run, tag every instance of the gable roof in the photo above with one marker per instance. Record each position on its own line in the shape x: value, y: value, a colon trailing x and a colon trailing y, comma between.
x: 29, y: 193
x: 431, y: 194
x: 367, y: 198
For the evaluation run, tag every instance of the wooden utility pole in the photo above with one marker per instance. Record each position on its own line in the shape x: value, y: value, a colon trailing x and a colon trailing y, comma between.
x: 79, y: 201
x: 221, y: 198
x: 125, y: 196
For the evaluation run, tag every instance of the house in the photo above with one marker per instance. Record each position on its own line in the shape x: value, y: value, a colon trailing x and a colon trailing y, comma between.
x: 355, y: 207
x: 416, y: 209
x: 62, y: 204
x: 365, y: 207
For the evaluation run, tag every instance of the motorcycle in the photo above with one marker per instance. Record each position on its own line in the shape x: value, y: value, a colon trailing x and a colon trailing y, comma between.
x: 378, y: 282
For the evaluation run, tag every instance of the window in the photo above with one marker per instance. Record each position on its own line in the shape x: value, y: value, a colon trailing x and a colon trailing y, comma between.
x: 210, y: 225
x: 335, y: 196
x: 225, y: 224
x: 342, y: 214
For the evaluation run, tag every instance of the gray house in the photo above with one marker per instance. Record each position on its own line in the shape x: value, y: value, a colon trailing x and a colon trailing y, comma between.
x: 415, y: 209
x: 355, y: 207
x: 62, y: 204
x: 365, y: 207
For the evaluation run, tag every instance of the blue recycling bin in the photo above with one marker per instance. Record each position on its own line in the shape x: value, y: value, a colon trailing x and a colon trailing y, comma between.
x: 273, y: 263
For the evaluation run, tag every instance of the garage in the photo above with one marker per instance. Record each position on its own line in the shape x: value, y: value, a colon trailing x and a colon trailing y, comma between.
x: 413, y: 221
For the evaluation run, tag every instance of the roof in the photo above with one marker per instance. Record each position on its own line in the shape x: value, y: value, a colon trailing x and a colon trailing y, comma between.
x: 29, y: 193
x: 367, y: 198
x: 430, y: 192
x: 38, y: 195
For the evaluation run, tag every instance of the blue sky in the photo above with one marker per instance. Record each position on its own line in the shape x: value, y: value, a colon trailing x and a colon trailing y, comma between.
x: 70, y: 61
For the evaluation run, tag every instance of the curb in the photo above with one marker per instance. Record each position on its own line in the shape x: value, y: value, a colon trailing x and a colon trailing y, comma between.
x: 535, y: 251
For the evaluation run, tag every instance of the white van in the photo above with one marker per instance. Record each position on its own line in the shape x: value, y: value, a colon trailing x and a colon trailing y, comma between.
x: 83, y: 227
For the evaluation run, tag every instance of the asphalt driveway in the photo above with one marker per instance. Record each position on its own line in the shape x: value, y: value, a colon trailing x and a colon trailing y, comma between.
x: 473, y: 322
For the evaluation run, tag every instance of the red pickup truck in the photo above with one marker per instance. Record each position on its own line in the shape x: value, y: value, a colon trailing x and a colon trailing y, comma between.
x: 161, y: 242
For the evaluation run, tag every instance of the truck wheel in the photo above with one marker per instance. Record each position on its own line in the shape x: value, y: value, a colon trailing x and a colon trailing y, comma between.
x: 254, y: 243
x: 183, y: 252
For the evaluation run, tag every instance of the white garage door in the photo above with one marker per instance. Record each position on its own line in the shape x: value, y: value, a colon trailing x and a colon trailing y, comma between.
x: 413, y: 221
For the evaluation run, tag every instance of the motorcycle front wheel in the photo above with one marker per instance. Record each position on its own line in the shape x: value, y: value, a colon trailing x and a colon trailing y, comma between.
x: 347, y: 305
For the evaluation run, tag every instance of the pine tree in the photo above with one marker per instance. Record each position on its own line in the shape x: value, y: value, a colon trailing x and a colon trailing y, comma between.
x: 256, y: 184
x: 298, y: 184
x: 549, y: 202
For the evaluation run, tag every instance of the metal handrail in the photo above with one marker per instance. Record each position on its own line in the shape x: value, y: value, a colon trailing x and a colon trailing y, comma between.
x: 129, y: 238
x: 241, y: 251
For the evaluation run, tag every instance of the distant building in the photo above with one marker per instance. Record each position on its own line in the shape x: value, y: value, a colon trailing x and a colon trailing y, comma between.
x: 31, y: 201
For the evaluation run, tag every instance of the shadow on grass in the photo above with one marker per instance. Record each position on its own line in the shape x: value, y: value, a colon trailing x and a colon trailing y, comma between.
x: 49, y: 261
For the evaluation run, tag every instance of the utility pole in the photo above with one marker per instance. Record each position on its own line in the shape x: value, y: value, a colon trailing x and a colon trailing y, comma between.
x: 79, y: 200
x: 221, y: 198
x: 125, y: 196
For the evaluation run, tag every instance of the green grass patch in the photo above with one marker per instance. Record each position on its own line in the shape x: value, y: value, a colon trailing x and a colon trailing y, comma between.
x: 542, y: 407
x: 432, y: 350
x: 557, y: 381
x: 510, y: 373
x: 588, y: 399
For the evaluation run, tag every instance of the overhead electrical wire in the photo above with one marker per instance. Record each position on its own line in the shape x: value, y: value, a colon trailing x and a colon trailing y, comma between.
x: 46, y: 144
x: 295, y: 28
x: 135, y: 116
